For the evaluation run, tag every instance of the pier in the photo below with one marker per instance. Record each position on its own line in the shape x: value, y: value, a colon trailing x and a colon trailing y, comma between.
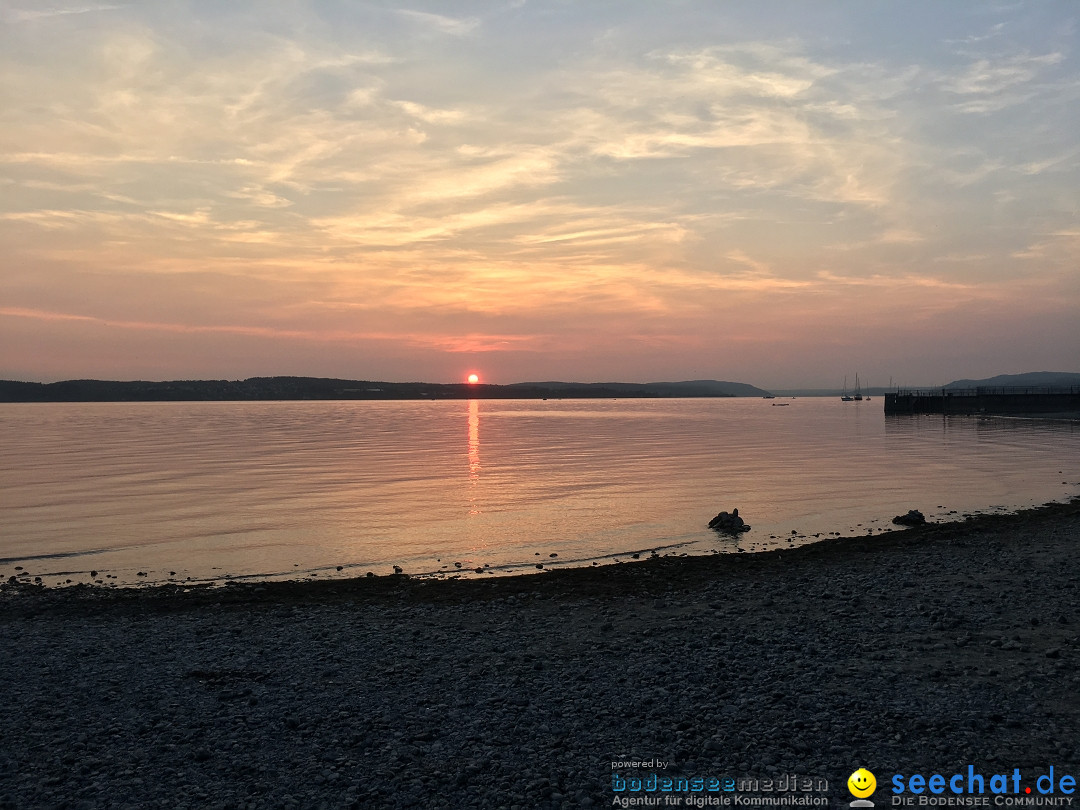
x: 1060, y: 401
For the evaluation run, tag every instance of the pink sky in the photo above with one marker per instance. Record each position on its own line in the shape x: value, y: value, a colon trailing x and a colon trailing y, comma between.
x: 541, y: 190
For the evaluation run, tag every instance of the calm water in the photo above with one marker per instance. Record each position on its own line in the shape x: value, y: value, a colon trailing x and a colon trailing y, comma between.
x: 299, y: 488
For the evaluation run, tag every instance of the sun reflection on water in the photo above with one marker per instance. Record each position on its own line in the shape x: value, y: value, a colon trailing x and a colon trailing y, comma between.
x: 474, y: 454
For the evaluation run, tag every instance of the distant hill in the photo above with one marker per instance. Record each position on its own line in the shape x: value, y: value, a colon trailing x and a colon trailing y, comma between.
x: 689, y: 388
x: 1032, y: 379
x: 304, y: 388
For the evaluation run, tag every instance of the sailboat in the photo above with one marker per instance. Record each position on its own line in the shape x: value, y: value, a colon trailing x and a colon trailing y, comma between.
x: 858, y: 392
x: 844, y: 397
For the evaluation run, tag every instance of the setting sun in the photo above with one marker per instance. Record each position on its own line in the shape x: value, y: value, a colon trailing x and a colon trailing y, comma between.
x: 473, y: 379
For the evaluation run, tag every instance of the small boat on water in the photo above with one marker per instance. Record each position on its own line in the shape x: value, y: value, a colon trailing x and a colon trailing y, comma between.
x: 845, y: 397
x: 858, y: 391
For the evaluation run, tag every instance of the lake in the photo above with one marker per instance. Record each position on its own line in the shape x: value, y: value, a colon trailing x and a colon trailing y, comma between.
x: 295, y: 489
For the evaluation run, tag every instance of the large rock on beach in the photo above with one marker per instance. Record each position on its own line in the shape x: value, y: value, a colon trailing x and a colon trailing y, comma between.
x: 913, y: 518
x: 729, y: 523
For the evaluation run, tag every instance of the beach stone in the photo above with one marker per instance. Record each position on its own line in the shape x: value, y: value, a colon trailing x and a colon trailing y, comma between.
x: 523, y: 688
x: 913, y: 518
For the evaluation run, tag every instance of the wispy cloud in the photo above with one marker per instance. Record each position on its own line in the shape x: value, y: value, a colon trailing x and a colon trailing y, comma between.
x: 319, y: 335
x: 25, y: 14
x: 447, y: 25
x: 987, y: 77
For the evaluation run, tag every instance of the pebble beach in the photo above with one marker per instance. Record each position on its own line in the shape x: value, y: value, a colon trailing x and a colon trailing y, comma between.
x: 922, y: 650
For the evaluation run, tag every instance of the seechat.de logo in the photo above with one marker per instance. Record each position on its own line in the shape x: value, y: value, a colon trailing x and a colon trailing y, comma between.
x: 861, y: 784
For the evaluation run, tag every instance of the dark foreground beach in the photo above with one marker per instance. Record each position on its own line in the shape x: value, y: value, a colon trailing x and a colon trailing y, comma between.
x: 922, y: 651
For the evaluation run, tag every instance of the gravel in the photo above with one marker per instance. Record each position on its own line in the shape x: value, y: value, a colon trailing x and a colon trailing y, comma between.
x: 922, y: 650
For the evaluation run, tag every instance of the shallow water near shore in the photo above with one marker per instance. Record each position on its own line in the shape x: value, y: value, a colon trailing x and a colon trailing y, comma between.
x: 144, y: 492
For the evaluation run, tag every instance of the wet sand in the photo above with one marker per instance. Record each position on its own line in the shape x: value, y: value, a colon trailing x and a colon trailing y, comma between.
x: 920, y: 650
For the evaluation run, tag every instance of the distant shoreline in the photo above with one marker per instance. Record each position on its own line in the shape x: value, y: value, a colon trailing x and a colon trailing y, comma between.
x: 320, y: 388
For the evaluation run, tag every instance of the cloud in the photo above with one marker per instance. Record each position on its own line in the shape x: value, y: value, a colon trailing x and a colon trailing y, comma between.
x: 24, y: 15
x: 994, y: 32
x: 417, y: 171
x: 894, y: 282
x: 320, y: 335
x: 991, y: 76
x: 447, y: 25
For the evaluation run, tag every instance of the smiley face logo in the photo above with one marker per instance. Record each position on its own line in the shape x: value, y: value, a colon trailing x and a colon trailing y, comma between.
x: 861, y: 783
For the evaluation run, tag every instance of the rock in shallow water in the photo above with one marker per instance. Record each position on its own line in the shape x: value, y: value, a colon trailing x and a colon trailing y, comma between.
x: 729, y: 523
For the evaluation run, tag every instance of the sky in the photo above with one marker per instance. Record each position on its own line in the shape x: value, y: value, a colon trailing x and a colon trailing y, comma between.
x: 778, y: 193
